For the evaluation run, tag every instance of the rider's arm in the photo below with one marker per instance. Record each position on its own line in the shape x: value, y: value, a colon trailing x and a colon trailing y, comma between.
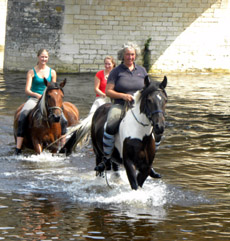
x: 28, y: 91
x: 110, y: 92
x: 53, y: 75
x: 96, y: 87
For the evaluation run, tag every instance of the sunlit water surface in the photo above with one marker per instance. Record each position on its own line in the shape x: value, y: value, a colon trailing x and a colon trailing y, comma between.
x: 57, y: 198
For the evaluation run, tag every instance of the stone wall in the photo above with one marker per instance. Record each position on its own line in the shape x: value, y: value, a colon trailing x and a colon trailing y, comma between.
x: 187, y: 35
x: 31, y: 25
x: 3, y: 7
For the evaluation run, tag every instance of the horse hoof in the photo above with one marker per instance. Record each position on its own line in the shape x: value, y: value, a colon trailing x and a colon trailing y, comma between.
x: 65, y: 151
x: 154, y: 174
x: 100, y: 174
x: 100, y: 167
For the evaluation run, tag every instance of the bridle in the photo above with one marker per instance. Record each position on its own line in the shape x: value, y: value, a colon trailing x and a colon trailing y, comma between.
x: 50, y: 109
x: 148, y: 114
x: 54, y: 107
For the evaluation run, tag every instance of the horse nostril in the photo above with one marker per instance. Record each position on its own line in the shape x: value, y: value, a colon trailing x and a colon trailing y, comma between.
x: 57, y: 118
x: 159, y: 129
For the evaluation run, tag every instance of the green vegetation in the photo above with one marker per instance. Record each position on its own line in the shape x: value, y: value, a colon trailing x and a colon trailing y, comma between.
x: 146, y: 54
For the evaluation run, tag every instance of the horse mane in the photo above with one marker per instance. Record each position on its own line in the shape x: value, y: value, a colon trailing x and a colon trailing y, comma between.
x: 153, y: 86
x: 137, y: 96
x: 143, y: 93
x: 42, y: 104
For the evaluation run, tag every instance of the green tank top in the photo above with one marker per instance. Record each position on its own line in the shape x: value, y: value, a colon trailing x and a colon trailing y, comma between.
x: 38, y: 85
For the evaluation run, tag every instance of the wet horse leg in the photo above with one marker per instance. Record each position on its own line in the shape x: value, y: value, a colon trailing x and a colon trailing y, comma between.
x: 37, y: 146
x: 142, y: 176
x: 154, y: 174
x: 131, y: 173
x: 115, y: 167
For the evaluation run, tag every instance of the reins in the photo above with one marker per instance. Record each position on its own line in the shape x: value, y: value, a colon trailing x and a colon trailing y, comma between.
x: 106, y: 179
x: 149, y: 114
x: 63, y: 136
x: 139, y: 122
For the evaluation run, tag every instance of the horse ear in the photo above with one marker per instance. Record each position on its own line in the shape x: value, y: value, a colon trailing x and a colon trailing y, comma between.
x: 163, y: 83
x: 62, y: 84
x: 46, y: 82
x: 147, y: 81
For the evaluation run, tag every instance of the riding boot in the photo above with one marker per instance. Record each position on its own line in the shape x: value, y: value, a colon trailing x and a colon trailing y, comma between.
x: 17, y: 152
x: 108, y: 145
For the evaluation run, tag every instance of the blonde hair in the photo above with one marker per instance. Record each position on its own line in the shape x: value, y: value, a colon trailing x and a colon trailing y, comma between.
x: 128, y: 45
x: 111, y: 59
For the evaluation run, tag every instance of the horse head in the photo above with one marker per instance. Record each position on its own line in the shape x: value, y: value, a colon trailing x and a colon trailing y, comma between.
x: 53, y: 99
x: 153, y: 101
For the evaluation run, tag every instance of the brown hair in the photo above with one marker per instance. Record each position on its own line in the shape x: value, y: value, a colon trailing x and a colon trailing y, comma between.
x: 40, y: 52
x: 112, y: 60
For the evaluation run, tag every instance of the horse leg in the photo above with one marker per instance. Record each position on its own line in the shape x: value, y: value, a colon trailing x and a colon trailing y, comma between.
x: 154, y: 174
x: 37, y: 146
x: 151, y: 154
x: 142, y: 176
x: 98, y: 160
x: 131, y: 173
x: 68, y: 147
x: 115, y: 166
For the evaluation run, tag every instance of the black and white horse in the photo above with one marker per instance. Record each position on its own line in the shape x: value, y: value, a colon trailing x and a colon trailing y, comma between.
x: 134, y: 143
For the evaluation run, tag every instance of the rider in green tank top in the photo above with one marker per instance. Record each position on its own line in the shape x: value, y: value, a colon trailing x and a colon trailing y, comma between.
x: 38, y: 85
x: 35, y: 87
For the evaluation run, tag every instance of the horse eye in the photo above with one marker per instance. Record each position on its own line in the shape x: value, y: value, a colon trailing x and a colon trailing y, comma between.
x: 149, y: 101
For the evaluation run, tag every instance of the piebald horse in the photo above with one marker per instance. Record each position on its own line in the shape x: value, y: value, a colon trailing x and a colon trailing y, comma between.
x: 134, y: 143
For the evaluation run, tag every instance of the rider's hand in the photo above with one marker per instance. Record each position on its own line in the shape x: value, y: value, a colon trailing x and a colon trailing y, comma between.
x: 128, y: 97
x: 38, y: 96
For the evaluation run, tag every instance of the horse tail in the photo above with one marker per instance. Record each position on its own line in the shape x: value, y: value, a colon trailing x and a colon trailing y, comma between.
x: 79, y: 135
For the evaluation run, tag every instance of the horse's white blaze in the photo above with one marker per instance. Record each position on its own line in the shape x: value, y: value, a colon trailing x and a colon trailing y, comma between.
x: 159, y: 97
x: 130, y: 128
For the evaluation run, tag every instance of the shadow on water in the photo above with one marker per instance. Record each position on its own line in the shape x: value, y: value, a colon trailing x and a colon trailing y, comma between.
x: 54, y: 197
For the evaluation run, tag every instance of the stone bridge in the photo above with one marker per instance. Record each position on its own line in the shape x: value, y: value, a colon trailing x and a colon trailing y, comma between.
x: 186, y: 35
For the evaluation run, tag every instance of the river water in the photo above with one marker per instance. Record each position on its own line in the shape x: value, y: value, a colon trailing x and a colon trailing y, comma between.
x: 55, y: 198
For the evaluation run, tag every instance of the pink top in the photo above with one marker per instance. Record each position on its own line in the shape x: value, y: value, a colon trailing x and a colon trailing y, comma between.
x: 103, y: 81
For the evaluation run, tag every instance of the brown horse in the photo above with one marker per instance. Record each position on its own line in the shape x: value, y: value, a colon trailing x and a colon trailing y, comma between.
x: 44, y: 121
